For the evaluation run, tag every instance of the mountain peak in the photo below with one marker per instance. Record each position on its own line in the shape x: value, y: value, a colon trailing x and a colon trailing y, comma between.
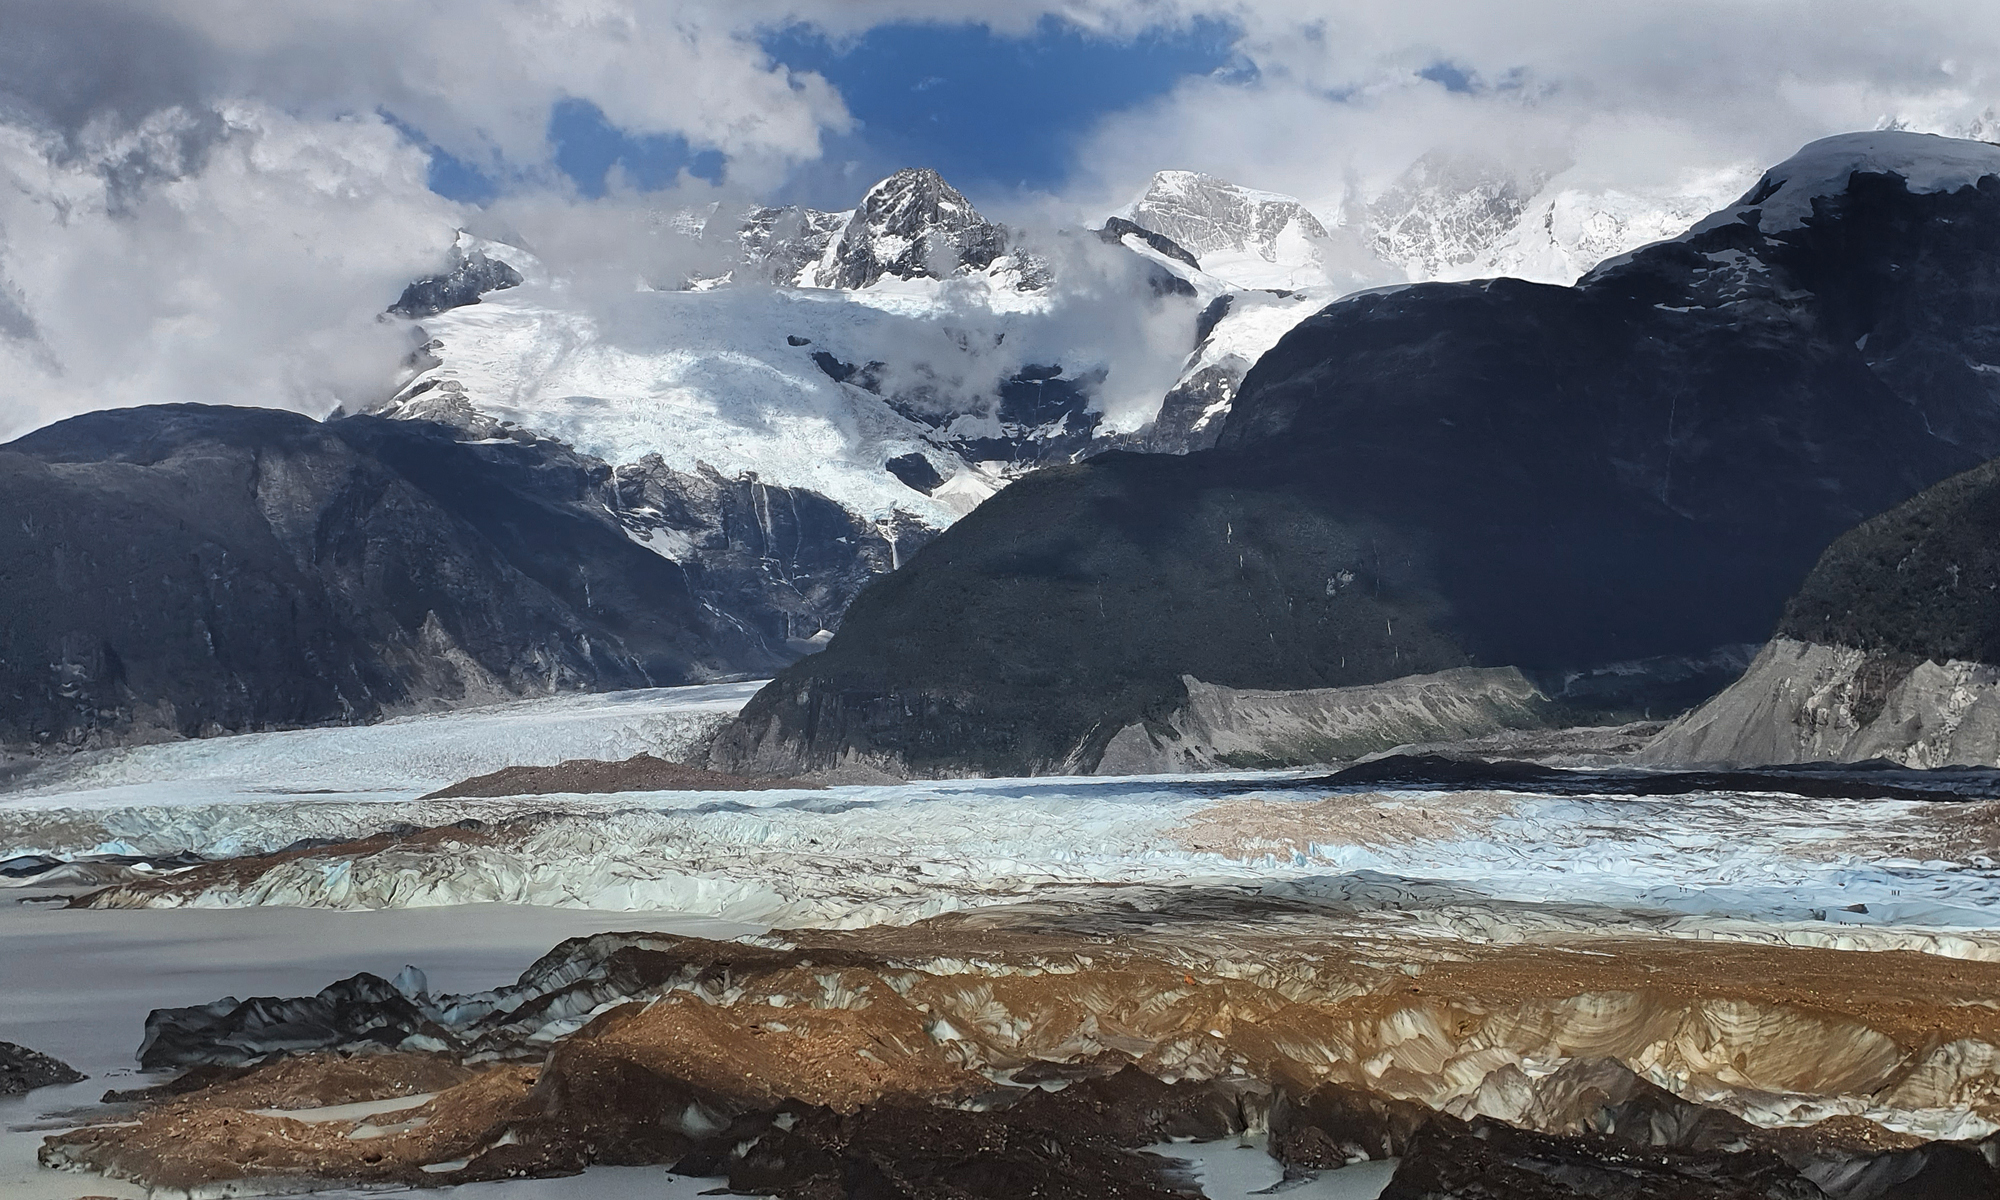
x: 1249, y: 237
x: 908, y: 225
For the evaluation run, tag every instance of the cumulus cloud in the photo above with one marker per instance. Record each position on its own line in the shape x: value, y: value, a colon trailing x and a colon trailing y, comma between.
x: 1336, y: 99
x: 211, y: 199
x: 235, y: 256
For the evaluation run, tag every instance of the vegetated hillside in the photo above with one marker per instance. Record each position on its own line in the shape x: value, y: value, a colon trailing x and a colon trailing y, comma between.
x: 183, y: 569
x: 1921, y: 581
x: 1637, y: 470
x: 1891, y: 649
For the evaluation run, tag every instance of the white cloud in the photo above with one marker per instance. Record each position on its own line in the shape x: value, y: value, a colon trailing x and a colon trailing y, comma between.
x: 1633, y: 93
x: 252, y: 275
x: 202, y: 200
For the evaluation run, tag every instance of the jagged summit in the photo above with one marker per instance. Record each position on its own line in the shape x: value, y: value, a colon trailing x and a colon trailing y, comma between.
x: 1448, y: 211
x: 471, y: 275
x: 786, y: 244
x: 909, y: 225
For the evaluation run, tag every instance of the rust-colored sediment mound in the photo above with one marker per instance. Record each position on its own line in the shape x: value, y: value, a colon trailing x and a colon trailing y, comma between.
x: 640, y: 773
x: 914, y: 1062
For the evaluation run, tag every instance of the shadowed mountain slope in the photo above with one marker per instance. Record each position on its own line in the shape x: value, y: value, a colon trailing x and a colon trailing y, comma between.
x: 1636, y: 470
x: 183, y: 569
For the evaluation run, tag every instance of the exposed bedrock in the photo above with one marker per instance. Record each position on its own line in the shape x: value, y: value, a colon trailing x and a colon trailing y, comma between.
x: 919, y: 1062
x: 1636, y: 470
x: 1802, y: 702
x: 183, y: 570
x: 1891, y: 648
x: 1232, y: 727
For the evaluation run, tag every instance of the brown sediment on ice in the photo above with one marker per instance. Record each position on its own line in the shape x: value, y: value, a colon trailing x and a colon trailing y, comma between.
x: 919, y: 1055
x: 247, y: 870
x: 640, y: 773
x: 1250, y: 828
x: 1958, y: 832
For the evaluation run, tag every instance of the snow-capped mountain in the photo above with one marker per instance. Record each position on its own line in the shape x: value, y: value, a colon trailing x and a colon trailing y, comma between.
x: 786, y: 443
x: 1611, y: 487
x: 1447, y: 212
x: 1250, y: 238
x: 911, y: 225
x: 914, y: 356
x: 1446, y: 217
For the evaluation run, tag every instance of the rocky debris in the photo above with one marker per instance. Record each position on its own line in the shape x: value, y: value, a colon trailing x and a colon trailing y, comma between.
x: 1637, y: 469
x: 470, y: 277
x: 1874, y: 780
x: 309, y: 1080
x: 24, y: 1070
x: 1484, y: 1159
x: 1340, y: 1124
x: 203, y: 1142
x: 920, y: 1060
x: 640, y: 773
x: 1081, y: 1143
x: 308, y: 573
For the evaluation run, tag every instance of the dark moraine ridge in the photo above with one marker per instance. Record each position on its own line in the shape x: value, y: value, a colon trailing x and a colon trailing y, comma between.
x: 1638, y: 469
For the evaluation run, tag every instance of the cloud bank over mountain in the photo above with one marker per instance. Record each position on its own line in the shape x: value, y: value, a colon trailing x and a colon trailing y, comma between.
x: 215, y: 201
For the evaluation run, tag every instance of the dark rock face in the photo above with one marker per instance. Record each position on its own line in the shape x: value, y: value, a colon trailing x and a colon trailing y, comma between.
x: 1638, y: 468
x: 1081, y: 1143
x: 1484, y: 1159
x: 1338, y: 1124
x: 786, y: 244
x: 1919, y: 581
x: 1116, y: 228
x: 1045, y: 417
x: 24, y: 1070
x: 1188, y: 419
x: 183, y: 570
x: 470, y: 277
x: 782, y: 563
x: 912, y: 224
x: 916, y: 471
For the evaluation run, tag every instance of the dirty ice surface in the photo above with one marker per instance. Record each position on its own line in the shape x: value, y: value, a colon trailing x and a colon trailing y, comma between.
x: 78, y: 984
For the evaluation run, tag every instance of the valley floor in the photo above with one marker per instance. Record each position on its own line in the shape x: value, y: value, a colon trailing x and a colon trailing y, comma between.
x: 1779, y: 957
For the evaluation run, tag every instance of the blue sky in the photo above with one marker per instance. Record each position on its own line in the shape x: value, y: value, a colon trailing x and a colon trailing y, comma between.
x: 994, y: 114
